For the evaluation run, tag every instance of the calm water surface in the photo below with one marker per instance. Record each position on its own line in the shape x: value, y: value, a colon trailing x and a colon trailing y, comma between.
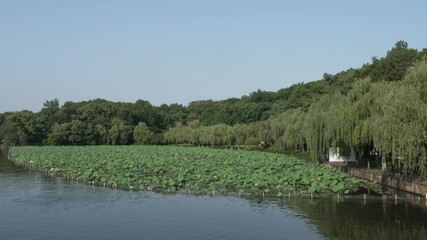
x: 34, y: 206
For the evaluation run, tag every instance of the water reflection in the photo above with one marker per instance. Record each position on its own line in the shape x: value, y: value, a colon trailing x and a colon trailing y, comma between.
x: 359, y: 219
x: 7, y: 166
x: 33, y: 206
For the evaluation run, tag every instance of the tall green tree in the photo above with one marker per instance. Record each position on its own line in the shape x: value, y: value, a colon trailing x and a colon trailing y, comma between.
x: 142, y: 134
x: 120, y: 133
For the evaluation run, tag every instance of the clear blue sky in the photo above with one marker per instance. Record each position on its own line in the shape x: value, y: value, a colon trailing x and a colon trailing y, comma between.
x: 181, y: 51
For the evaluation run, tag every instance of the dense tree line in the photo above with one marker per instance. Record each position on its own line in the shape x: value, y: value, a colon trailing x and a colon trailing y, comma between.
x: 387, y: 117
x: 381, y: 107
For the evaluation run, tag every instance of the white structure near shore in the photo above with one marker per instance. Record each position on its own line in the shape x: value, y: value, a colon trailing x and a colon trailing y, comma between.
x: 335, y: 156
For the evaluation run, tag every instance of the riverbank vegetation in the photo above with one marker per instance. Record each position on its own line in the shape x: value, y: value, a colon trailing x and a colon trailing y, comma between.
x: 174, y: 168
x: 380, y: 108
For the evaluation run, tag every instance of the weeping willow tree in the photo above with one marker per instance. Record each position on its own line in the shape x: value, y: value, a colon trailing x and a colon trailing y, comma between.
x: 178, y: 134
x: 277, y: 129
x: 323, y: 126
x: 195, y: 132
x: 239, y: 132
x: 401, y: 132
x: 293, y: 136
x: 356, y: 125
x: 387, y: 116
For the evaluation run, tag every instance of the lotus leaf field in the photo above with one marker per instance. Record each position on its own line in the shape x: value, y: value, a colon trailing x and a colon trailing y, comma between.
x: 174, y: 168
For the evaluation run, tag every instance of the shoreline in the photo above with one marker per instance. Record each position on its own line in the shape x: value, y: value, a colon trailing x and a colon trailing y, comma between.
x: 403, y: 183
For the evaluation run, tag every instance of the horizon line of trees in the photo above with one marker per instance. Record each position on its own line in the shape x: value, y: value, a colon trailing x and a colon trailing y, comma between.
x: 387, y: 117
x: 381, y: 106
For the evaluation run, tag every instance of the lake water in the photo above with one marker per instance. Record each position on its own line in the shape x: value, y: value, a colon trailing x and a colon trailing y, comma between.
x: 35, y: 206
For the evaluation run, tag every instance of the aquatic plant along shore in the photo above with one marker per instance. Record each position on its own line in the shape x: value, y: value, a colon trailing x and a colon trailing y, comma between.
x: 198, y: 170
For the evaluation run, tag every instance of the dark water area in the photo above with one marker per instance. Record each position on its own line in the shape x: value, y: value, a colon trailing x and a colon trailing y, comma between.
x: 35, y: 206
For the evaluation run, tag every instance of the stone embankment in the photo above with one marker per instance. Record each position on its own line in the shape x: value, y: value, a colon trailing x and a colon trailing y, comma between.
x: 409, y: 184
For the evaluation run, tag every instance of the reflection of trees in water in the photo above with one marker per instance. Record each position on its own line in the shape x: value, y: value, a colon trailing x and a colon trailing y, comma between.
x: 7, y: 166
x: 356, y: 220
